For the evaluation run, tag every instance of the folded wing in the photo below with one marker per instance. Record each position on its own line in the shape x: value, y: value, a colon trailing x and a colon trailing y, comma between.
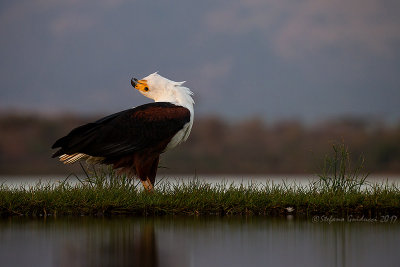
x: 147, y: 127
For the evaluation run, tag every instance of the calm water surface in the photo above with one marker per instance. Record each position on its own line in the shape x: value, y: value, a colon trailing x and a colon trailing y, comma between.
x: 302, y: 180
x: 191, y: 241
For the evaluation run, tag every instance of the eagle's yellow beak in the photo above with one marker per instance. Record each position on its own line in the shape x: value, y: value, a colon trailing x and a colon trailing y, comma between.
x: 140, y: 85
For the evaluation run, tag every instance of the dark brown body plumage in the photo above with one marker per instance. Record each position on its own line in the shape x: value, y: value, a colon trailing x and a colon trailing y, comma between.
x: 131, y: 140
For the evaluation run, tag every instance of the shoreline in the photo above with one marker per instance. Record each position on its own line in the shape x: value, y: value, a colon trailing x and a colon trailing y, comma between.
x: 105, y: 196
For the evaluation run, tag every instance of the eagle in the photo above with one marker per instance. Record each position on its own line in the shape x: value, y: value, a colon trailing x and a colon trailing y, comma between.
x: 132, y: 140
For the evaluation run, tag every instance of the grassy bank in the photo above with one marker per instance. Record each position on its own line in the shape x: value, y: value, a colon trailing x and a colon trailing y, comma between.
x: 339, y: 190
x: 121, y: 196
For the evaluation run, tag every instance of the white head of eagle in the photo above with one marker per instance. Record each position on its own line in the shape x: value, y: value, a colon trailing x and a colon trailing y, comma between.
x: 132, y: 140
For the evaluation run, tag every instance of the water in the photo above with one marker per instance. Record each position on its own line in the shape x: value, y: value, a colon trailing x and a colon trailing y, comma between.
x: 201, y: 241
x: 300, y: 180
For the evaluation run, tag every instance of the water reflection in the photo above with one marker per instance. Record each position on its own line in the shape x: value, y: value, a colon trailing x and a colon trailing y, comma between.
x: 188, y: 241
x: 107, y: 244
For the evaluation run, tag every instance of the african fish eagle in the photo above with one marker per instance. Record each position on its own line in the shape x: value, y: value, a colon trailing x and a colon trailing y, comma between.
x: 132, y: 140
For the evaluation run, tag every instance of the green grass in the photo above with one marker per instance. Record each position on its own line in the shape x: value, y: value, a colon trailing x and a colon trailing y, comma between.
x: 339, y: 191
x: 120, y: 196
x: 338, y: 176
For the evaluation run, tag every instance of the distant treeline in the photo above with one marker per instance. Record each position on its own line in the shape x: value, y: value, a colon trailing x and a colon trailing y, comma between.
x: 216, y: 146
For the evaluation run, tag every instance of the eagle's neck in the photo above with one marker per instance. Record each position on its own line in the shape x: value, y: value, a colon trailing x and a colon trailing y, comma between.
x: 178, y: 95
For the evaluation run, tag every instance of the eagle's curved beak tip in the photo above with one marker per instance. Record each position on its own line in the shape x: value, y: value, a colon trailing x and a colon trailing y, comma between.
x: 133, y: 82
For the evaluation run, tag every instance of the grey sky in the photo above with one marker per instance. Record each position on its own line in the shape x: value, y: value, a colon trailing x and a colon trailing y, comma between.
x: 307, y: 59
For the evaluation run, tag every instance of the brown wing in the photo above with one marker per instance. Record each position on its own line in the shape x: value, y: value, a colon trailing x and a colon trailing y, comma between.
x: 125, y: 132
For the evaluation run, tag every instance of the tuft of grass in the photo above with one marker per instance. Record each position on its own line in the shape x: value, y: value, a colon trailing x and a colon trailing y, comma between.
x: 337, y: 173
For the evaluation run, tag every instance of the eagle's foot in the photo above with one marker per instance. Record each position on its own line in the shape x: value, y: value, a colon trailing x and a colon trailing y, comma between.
x: 148, y: 186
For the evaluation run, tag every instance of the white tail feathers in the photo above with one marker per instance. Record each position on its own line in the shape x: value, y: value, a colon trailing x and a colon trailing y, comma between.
x: 67, y: 159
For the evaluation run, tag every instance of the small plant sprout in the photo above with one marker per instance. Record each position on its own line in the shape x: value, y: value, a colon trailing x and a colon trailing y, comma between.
x: 289, y: 209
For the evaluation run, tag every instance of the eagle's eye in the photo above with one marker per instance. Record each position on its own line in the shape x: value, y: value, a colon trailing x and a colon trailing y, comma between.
x: 146, y: 89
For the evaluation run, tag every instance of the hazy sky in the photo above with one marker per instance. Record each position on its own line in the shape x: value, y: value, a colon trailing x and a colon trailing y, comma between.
x: 306, y: 59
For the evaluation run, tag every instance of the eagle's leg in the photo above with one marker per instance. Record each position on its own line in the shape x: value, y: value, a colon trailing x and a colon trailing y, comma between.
x: 148, y: 186
x: 147, y: 172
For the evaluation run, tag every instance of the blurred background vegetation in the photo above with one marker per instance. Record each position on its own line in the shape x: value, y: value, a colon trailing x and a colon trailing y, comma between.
x: 333, y: 66
x: 216, y: 146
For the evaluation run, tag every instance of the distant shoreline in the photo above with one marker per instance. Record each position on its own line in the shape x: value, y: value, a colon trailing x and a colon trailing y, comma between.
x: 216, y: 145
